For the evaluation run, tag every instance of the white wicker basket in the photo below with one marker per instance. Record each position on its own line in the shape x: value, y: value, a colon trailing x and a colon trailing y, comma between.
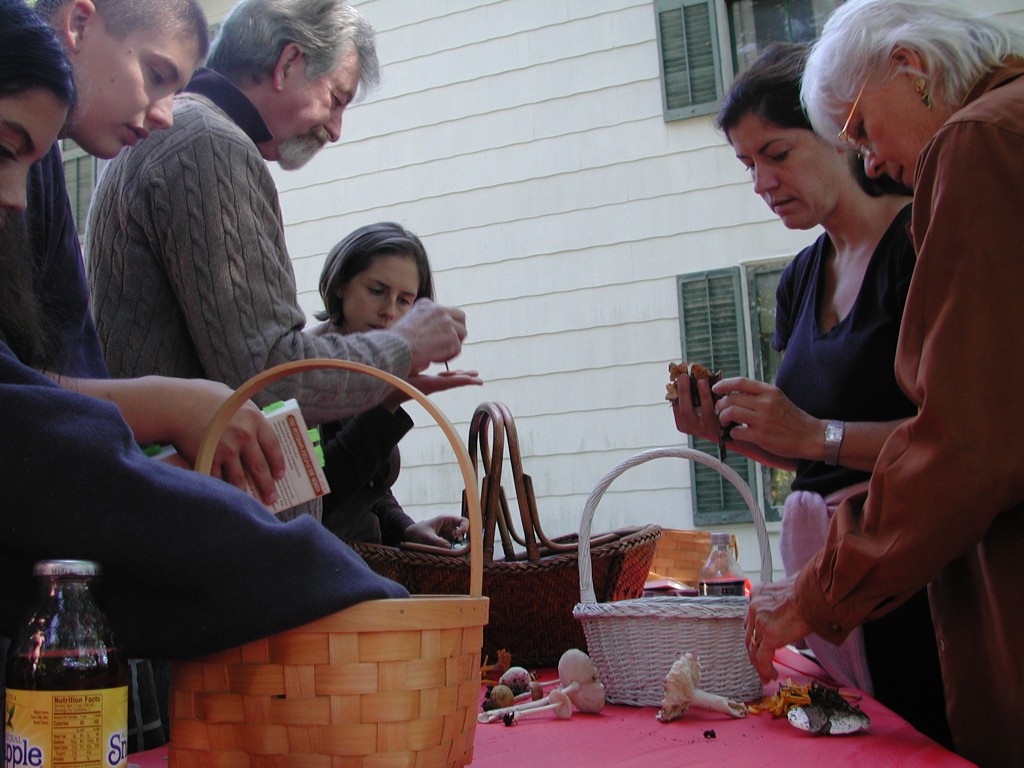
x: 634, y: 642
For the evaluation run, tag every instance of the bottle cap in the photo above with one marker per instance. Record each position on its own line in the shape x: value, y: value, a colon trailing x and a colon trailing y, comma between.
x: 66, y: 568
x: 719, y: 539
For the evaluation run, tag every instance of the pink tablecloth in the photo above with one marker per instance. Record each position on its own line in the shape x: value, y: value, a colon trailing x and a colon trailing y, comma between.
x: 630, y: 737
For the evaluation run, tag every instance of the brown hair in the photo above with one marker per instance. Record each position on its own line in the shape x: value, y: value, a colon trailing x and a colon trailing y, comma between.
x: 356, y: 252
x: 184, y: 18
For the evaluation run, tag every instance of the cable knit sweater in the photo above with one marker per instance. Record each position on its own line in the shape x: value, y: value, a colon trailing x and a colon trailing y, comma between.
x: 189, y: 272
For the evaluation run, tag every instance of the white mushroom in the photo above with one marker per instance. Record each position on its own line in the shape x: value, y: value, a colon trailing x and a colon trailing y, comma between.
x: 494, y: 715
x: 558, y: 703
x: 580, y: 682
x: 682, y: 692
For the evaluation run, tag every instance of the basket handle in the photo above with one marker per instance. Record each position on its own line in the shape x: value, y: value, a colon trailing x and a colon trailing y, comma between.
x: 494, y: 506
x: 498, y: 417
x: 587, y: 594
x: 208, y: 444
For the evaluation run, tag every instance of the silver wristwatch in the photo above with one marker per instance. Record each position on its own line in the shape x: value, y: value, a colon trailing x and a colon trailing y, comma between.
x: 834, y: 433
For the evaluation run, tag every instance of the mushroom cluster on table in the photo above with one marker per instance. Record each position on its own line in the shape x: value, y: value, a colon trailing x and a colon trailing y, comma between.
x: 515, y: 684
x: 682, y: 691
x: 578, y: 686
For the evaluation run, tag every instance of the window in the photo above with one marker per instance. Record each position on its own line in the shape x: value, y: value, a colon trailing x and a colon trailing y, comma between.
x: 754, y: 23
x: 762, y: 281
x: 692, y: 67
x: 80, y: 177
x: 714, y: 332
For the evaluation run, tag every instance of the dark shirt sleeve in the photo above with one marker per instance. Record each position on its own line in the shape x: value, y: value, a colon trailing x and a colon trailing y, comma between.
x: 356, y: 449
x: 190, y: 564
x: 392, y: 518
x: 60, y: 271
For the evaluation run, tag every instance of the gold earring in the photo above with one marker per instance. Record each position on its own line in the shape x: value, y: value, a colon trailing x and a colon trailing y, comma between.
x: 921, y: 89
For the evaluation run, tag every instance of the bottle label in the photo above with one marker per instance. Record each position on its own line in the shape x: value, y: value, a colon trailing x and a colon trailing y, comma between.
x: 722, y: 588
x: 83, y: 729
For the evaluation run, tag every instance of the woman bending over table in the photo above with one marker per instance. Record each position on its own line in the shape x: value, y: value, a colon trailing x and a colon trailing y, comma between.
x: 933, y: 96
x: 838, y: 311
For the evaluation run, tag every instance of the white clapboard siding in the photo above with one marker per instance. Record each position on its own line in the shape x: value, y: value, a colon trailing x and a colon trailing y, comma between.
x: 523, y: 140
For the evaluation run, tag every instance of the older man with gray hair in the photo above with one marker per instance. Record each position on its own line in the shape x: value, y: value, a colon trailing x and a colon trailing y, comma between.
x: 188, y: 267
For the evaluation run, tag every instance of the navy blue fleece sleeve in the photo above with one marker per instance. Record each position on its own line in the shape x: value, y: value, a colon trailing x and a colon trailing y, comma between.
x: 191, y: 565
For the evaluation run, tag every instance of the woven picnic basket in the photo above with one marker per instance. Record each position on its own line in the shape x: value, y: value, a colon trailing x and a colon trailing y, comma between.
x: 633, y: 643
x: 531, y: 581
x: 382, y: 684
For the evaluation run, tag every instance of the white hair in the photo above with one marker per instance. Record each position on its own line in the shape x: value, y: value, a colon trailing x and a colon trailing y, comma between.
x: 956, y: 46
x: 256, y: 31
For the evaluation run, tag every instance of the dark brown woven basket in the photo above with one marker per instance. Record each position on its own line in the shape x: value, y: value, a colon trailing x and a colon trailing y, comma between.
x: 534, y: 588
x: 531, y: 600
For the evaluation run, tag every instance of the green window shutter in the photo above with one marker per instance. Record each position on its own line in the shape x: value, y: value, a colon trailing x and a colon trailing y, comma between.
x: 691, y: 69
x: 713, y: 334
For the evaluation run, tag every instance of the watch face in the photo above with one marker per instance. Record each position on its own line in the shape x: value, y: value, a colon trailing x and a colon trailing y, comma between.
x: 833, y: 432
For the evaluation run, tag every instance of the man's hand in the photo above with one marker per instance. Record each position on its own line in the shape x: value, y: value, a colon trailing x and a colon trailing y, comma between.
x: 428, y: 385
x: 434, y: 333
x: 248, y: 445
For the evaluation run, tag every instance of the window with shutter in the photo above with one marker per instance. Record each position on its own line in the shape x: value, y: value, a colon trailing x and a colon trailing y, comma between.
x: 712, y: 329
x: 714, y: 332
x: 690, y: 60
x: 693, y: 69
x: 80, y: 177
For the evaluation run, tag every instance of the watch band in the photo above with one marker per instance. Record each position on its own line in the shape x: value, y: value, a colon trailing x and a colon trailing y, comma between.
x: 834, y: 433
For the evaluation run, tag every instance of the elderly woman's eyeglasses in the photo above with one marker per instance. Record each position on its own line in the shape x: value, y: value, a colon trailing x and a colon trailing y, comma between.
x: 848, y: 141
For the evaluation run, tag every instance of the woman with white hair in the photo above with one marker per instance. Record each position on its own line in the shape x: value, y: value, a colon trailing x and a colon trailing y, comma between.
x: 933, y: 96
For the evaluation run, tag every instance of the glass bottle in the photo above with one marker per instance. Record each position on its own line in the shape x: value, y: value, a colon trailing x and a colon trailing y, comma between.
x: 721, y: 574
x: 67, y: 681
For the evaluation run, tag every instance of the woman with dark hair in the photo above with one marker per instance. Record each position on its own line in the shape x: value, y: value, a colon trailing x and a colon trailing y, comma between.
x: 356, y: 252
x: 369, y: 281
x: 835, y: 400
x: 31, y: 58
x: 932, y: 94
x: 37, y: 94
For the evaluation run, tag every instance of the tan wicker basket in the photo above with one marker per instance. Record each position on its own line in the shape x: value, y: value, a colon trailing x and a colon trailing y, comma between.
x: 634, y: 642
x: 681, y: 554
x: 382, y: 684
